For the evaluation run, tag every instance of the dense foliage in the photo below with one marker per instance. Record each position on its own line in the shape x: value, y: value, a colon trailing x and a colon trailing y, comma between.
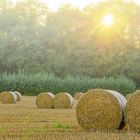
x: 70, y: 41
x: 32, y: 84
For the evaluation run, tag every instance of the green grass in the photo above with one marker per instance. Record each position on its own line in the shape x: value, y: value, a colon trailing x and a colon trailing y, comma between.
x: 60, y: 125
x: 32, y: 84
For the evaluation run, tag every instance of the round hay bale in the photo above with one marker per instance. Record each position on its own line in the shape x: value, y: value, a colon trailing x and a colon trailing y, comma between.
x: 132, y: 112
x: 18, y: 95
x: 125, y: 128
x: 75, y: 104
x: 45, y: 100
x: 78, y: 95
x: 128, y: 96
x: 63, y: 101
x: 100, y: 109
x: 7, y: 97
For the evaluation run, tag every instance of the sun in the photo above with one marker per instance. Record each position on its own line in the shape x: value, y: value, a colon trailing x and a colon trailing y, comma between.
x: 108, y: 19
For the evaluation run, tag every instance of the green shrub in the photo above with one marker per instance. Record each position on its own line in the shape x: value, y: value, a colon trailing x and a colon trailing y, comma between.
x: 32, y: 84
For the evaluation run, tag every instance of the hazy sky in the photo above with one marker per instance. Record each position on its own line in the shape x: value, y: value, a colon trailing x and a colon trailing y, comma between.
x: 55, y: 4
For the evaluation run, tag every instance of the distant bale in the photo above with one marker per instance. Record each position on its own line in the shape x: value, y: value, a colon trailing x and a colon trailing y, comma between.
x: 100, y: 109
x: 45, y: 100
x: 78, y: 95
x: 75, y: 102
x: 18, y: 95
x: 7, y: 97
x: 63, y: 101
x: 128, y: 96
x: 132, y: 112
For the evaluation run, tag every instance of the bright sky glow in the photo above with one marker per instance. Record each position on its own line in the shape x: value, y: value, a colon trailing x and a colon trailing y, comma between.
x: 108, y: 19
x: 55, y: 4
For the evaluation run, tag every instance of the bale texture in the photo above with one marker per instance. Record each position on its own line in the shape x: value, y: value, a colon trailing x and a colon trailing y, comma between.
x: 100, y: 109
x: 45, y: 100
x: 128, y: 96
x: 132, y: 112
x: 78, y: 95
x: 75, y: 102
x: 18, y: 95
x: 7, y: 97
x: 63, y: 101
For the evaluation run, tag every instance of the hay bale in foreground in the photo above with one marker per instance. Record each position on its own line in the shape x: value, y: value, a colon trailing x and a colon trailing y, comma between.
x: 100, y: 109
x: 45, y: 100
x: 78, y: 95
x: 63, y: 101
x: 18, y: 95
x: 128, y: 96
x: 132, y: 112
x: 8, y: 97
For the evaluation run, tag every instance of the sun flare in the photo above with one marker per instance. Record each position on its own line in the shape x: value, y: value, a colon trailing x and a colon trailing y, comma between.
x: 108, y: 19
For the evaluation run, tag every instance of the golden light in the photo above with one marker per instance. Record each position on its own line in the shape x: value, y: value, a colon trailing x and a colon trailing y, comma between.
x: 55, y: 4
x: 108, y: 19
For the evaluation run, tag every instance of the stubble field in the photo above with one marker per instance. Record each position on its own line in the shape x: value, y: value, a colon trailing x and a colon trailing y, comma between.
x: 24, y: 121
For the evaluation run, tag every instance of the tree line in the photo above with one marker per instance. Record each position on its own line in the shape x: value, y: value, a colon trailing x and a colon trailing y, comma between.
x: 70, y: 41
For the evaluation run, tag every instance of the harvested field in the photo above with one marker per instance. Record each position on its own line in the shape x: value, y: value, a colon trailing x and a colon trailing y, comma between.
x: 24, y: 121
